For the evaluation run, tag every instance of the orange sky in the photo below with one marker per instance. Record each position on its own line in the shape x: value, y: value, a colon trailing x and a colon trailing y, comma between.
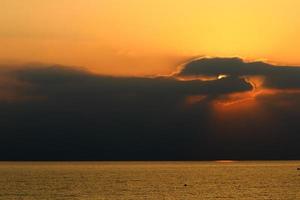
x: 135, y: 37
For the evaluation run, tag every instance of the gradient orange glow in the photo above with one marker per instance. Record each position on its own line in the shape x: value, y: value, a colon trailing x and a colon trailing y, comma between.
x: 147, y: 37
x: 247, y: 105
x: 195, y: 99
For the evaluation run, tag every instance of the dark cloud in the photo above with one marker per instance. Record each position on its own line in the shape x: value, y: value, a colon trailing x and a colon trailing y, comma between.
x: 276, y: 76
x: 71, y: 114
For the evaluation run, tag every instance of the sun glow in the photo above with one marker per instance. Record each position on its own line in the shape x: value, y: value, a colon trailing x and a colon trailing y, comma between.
x: 199, y: 77
x: 243, y: 102
x: 221, y: 76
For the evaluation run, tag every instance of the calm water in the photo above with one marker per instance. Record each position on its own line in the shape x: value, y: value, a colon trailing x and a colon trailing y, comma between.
x: 150, y: 180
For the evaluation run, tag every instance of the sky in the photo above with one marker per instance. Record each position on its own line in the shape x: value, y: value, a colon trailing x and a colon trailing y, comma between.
x: 149, y: 80
x: 147, y: 37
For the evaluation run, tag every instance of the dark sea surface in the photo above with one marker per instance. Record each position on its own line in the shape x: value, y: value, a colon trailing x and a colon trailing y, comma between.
x: 149, y: 180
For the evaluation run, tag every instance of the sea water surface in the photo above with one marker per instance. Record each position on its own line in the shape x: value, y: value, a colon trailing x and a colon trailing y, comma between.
x: 149, y: 180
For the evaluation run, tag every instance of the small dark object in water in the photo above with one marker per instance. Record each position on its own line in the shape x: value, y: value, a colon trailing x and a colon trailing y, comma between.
x: 185, y: 185
x: 298, y: 168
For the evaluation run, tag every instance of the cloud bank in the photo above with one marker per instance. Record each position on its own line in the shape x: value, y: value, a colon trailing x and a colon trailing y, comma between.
x: 68, y: 113
x: 275, y: 76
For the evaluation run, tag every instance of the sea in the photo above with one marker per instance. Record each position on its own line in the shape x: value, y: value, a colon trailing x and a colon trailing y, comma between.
x: 215, y: 180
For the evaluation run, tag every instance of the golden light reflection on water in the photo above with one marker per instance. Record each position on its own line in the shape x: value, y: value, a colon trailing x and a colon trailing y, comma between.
x: 226, y: 161
x: 149, y: 180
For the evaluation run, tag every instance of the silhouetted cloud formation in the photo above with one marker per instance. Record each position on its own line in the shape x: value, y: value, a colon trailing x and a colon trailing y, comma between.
x: 276, y: 76
x: 67, y: 113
